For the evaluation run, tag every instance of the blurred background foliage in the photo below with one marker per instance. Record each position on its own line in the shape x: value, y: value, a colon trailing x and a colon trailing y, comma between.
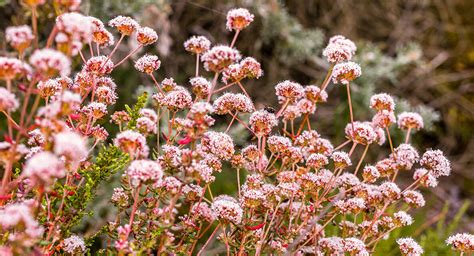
x: 422, y: 52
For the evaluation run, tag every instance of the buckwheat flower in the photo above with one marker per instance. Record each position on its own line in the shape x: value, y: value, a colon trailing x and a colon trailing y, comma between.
x: 201, y: 86
x: 132, y: 142
x: 19, y: 224
x: 361, y: 132
x: 144, y: 171
x: 380, y: 135
x: 219, y: 57
x: 103, y: 37
x: 306, y: 106
x: 178, y: 99
x: 355, y: 246
x: 347, y: 180
x: 75, y: 26
x: 10, y: 68
x: 230, y: 103
x: 291, y: 112
x: 390, y: 191
x: 227, y: 209
x: 386, y: 167
x: 71, y: 145
x: 99, y: 133
x: 146, y: 126
x: 339, y: 49
x: 345, y: 72
x: 43, y: 168
x: 314, y: 94
x: 219, y: 144
x: 106, y: 95
x: 48, y: 88
x: 74, y: 245
x: 200, y: 109
x: 119, y: 117
x: 251, y: 153
x: 410, y: 120
x: 252, y: 197
x: 382, y: 101
x: 317, y: 161
x: 95, y: 110
x: 426, y: 177
x: 119, y: 197
x: 251, y: 68
x: 278, y: 144
x: 307, y: 138
x: 50, y: 62
x: 383, y: 118
x: 146, y: 36
x: 171, y: 185
x: 36, y: 138
x: 370, y: 174
x: 351, y: 205
x: 413, y: 198
x: 341, y: 159
x: 202, y: 211
x: 233, y: 73
x: 169, y: 84
x: 435, y: 161
x: 19, y: 37
x: 288, y: 189
x: 238, y: 19
x: 409, y: 247
x: 8, y: 100
x: 371, y: 227
x: 463, y: 242
x: 289, y: 91
x: 323, y: 146
x: 197, y: 44
x: 262, y: 122
x: 125, y: 25
x: 148, y: 64
x: 401, y: 219
x: 193, y: 192
x: 405, y: 156
x: 99, y: 65
x: 332, y: 245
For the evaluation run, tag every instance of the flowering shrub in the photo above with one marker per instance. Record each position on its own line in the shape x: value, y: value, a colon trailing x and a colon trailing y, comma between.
x: 297, y: 185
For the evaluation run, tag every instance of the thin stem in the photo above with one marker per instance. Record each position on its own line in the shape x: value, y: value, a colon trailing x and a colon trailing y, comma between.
x: 115, y: 48
x: 354, y: 145
x: 342, y: 145
x: 197, y: 65
x: 231, y: 122
x: 208, y: 240
x: 361, y: 159
x: 389, y: 139
x: 34, y: 22
x: 350, y: 106
x: 128, y: 56
x: 235, y: 38
x: 214, y: 82
x: 407, y: 138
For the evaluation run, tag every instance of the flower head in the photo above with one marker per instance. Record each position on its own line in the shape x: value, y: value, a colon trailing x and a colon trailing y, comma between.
x: 339, y: 49
x: 144, y: 171
x: 148, y: 64
x: 74, y: 245
x: 410, y: 120
x: 19, y: 37
x: 8, y: 100
x: 345, y: 72
x: 262, y: 122
x: 146, y: 36
x: 125, y: 25
x: 219, y: 57
x: 409, y: 247
x: 197, y: 44
x: 238, y: 19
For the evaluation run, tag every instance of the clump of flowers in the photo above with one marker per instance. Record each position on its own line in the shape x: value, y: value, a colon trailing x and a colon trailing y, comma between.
x: 291, y: 183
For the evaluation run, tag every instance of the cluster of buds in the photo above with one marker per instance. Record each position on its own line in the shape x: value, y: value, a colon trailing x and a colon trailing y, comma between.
x: 169, y: 152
